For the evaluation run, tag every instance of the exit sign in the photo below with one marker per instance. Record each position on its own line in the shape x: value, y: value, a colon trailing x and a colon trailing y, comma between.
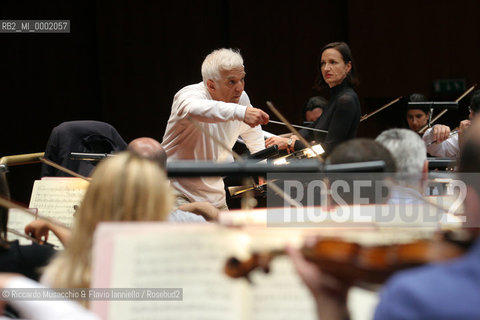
x: 449, y: 86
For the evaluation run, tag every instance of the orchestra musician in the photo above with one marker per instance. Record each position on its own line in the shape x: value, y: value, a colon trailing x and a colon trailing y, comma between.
x: 148, y: 148
x: 428, y: 292
x: 24, y: 259
x: 151, y: 149
x: 410, y: 157
x: 342, y: 114
x: 417, y: 118
x: 123, y: 188
x: 313, y: 108
x: 222, y: 108
x: 442, y: 142
x: 361, y: 150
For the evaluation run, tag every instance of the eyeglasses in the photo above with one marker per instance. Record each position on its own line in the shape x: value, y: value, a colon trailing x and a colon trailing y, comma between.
x: 470, y: 109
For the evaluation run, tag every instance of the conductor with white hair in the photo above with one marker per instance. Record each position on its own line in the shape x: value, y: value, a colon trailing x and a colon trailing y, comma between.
x: 222, y: 108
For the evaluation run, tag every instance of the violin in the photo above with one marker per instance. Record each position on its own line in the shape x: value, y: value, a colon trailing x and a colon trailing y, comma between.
x: 359, y: 264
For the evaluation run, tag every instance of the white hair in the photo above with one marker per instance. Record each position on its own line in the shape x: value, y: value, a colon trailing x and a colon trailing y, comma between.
x: 408, y: 150
x: 219, y: 60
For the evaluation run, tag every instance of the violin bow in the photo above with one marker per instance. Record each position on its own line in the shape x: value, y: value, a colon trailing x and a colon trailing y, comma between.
x: 293, y: 130
x: 297, y: 126
x: 366, y: 116
x: 444, y: 111
x: 26, y: 236
x: 12, y: 205
x: 63, y: 169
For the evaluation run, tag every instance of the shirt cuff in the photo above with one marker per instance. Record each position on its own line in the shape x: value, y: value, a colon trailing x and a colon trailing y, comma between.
x: 240, y: 111
x: 428, y: 136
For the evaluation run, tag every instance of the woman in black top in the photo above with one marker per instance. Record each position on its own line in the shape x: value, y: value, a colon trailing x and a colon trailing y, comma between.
x: 342, y: 114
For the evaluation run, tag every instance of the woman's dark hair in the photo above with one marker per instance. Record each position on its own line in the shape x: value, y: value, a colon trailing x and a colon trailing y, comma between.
x: 346, y: 53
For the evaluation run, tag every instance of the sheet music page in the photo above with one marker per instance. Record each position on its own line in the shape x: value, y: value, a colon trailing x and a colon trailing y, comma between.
x: 191, y: 258
x: 55, y: 198
x: 280, y: 294
x: 17, y: 220
x: 362, y: 303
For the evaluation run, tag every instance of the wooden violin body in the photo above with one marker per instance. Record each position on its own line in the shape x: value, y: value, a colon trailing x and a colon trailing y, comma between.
x: 355, y: 263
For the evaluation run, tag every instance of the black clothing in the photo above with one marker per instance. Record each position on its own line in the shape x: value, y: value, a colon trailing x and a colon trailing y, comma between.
x: 80, y: 136
x: 26, y: 259
x: 340, y: 118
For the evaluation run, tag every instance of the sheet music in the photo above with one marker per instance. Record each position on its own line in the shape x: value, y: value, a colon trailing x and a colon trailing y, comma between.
x: 280, y: 294
x: 193, y: 258
x: 17, y: 220
x: 56, y: 197
x: 169, y: 258
x: 362, y: 303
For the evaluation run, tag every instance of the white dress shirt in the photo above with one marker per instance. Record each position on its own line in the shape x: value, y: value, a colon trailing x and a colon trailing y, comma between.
x: 184, y: 141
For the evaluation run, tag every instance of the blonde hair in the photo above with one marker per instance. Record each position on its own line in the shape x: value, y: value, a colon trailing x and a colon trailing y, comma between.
x: 219, y: 60
x: 123, y: 188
